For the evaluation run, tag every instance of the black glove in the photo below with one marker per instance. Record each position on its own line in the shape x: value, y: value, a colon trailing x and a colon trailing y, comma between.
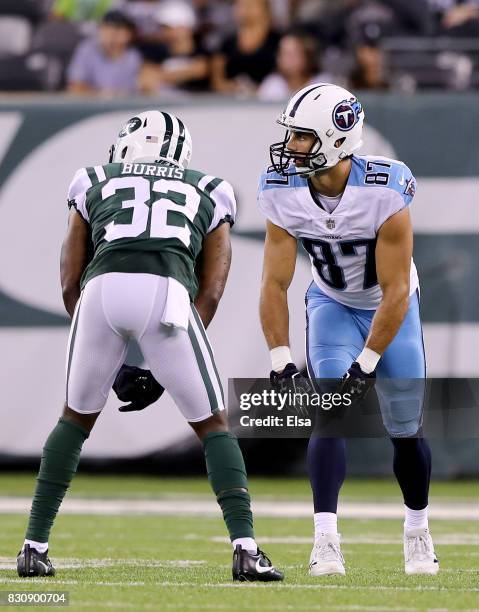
x: 357, y: 383
x: 291, y: 379
x: 136, y: 386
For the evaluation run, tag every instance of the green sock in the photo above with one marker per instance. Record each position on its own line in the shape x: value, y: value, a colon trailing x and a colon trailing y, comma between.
x: 227, y: 476
x: 60, y: 458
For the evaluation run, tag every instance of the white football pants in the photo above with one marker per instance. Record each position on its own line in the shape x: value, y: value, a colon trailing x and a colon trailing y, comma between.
x: 112, y: 309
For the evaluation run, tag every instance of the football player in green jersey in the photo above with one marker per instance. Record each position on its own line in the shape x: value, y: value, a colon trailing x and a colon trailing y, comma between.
x: 136, y: 228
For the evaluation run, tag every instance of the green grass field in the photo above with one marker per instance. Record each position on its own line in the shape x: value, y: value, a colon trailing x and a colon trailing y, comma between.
x: 154, y: 562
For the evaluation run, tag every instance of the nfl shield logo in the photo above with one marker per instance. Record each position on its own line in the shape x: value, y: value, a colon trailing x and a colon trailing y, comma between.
x: 330, y: 224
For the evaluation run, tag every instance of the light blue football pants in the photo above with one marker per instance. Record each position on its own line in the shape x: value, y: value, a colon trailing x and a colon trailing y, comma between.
x: 335, y: 335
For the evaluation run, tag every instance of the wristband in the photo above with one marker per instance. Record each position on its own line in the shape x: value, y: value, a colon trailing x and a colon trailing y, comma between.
x: 368, y: 360
x: 280, y: 357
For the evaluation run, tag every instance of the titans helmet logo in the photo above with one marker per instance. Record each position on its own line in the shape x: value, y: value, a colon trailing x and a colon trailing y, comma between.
x: 346, y: 114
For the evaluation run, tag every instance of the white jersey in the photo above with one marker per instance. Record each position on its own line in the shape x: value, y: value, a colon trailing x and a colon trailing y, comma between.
x: 342, y: 244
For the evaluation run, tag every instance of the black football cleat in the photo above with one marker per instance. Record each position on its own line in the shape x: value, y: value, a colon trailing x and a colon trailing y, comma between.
x: 250, y: 568
x: 31, y: 563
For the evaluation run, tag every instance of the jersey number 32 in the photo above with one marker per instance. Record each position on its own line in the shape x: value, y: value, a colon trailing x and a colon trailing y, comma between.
x: 177, y: 202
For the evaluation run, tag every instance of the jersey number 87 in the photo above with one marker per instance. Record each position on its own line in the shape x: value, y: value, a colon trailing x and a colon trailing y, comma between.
x: 325, y: 262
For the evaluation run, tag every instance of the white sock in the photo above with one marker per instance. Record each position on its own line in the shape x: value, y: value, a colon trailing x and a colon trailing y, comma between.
x: 415, y: 519
x: 41, y: 547
x: 246, y: 544
x: 325, y: 522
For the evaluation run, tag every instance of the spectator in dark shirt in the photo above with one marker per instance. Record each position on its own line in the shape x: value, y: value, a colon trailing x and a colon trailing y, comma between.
x: 246, y: 57
x: 106, y: 64
x: 180, y: 62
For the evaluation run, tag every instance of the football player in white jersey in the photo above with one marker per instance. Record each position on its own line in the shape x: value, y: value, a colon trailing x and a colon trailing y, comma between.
x: 351, y: 214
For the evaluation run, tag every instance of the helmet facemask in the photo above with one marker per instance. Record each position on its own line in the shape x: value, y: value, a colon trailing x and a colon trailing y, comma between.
x: 283, y: 158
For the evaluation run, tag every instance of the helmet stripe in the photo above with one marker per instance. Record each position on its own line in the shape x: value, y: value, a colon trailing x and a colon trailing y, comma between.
x: 168, y: 134
x: 301, y: 98
x: 181, y: 140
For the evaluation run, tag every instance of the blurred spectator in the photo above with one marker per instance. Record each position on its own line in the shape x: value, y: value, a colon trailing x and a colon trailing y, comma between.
x: 180, y: 62
x: 142, y: 13
x: 409, y: 17
x: 461, y: 19
x: 80, y: 10
x: 297, y: 65
x: 106, y: 64
x: 369, y: 71
x: 246, y: 57
x: 213, y: 16
x: 342, y: 22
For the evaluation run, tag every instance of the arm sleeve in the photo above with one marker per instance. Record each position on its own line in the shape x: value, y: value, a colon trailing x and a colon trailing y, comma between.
x: 77, y: 192
x: 225, y: 205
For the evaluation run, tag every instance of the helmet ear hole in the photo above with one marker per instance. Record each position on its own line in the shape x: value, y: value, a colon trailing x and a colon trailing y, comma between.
x: 145, y: 121
x: 123, y: 152
x: 339, y: 142
x: 111, y: 153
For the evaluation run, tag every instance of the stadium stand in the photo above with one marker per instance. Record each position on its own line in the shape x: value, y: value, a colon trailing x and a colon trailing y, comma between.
x: 425, y: 44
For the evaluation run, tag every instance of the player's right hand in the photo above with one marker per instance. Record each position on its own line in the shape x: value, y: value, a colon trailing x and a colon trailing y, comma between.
x: 290, y: 379
x: 137, y: 386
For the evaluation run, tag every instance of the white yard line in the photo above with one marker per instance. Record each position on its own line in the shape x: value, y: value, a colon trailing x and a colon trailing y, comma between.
x: 6, y: 563
x: 245, y: 585
x: 468, y: 539
x: 201, y: 507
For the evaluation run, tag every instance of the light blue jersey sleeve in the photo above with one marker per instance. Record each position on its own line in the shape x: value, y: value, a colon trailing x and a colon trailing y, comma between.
x: 403, y: 182
x: 388, y: 182
x: 376, y: 171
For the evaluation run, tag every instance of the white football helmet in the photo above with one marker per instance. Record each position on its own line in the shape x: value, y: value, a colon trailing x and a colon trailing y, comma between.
x: 333, y: 115
x: 152, y: 136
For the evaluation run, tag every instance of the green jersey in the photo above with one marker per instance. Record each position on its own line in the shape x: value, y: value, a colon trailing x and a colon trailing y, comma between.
x: 149, y: 217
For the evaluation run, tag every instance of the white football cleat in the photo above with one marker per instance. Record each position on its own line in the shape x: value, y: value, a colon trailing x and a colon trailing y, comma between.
x: 326, y: 557
x: 419, y: 555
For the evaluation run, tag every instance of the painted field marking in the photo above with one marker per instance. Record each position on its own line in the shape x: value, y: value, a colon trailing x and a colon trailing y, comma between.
x: 202, y: 507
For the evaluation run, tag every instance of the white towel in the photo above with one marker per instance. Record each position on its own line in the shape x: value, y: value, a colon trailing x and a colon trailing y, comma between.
x: 177, y: 306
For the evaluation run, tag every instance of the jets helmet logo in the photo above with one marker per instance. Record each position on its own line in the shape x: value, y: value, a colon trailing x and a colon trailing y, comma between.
x: 132, y: 125
x: 346, y: 114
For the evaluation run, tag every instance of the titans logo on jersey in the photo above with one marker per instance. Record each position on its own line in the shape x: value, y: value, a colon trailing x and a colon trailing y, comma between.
x: 341, y: 245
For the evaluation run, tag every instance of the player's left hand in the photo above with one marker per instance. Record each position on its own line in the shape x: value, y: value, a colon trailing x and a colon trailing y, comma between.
x: 357, y: 383
x: 291, y: 379
x: 137, y: 386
